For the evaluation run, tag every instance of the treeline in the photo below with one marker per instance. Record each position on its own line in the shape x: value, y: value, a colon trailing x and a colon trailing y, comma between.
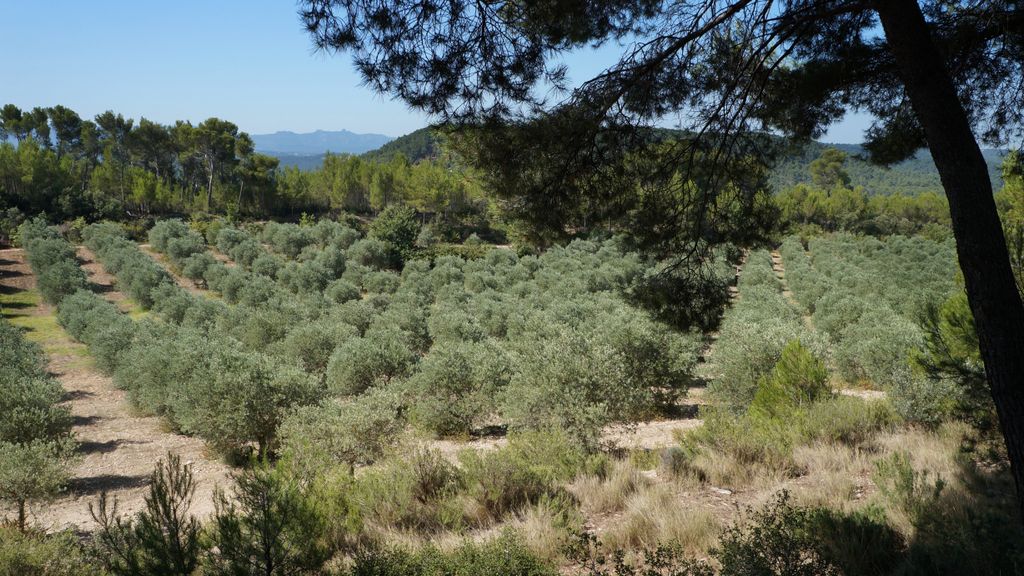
x: 831, y: 202
x: 53, y: 161
x: 911, y: 177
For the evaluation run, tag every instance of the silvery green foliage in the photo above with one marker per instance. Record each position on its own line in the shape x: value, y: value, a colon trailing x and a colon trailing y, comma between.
x: 754, y: 332
x: 919, y: 399
x: 350, y: 432
x: 868, y: 295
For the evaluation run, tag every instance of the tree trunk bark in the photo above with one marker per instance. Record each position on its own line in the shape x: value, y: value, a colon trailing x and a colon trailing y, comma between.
x: 980, y: 245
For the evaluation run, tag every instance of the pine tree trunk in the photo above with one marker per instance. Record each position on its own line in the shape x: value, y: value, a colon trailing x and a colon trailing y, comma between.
x: 980, y: 245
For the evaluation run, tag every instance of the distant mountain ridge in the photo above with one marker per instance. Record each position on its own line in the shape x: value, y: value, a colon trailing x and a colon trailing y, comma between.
x: 913, y: 176
x: 318, y: 142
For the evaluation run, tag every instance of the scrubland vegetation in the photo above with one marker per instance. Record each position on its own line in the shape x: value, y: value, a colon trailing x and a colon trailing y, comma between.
x: 396, y: 406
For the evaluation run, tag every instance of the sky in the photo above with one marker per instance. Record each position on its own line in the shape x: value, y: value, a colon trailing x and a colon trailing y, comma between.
x: 249, y: 62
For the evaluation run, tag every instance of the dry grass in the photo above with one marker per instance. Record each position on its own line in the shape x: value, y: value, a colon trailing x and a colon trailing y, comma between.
x: 540, y: 529
x: 655, y: 515
x: 602, y: 496
x: 835, y: 475
x: 725, y: 470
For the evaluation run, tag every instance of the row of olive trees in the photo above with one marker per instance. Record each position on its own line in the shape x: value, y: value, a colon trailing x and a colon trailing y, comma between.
x: 463, y: 342
x: 36, y: 445
x: 868, y: 298
x: 205, y: 384
x: 754, y: 332
x: 531, y: 342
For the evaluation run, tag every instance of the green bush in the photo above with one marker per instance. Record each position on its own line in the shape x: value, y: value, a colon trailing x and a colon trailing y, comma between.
x: 846, y: 419
x: 798, y: 380
x: 267, y: 265
x: 342, y: 291
x: 41, y: 554
x: 29, y: 405
x: 163, y: 537
x: 371, y: 252
x: 503, y: 556
x: 928, y: 401
x: 349, y: 433
x: 380, y: 355
x: 195, y: 267
x: 778, y: 539
x: 501, y: 482
x: 398, y: 227
x: 241, y: 398
x: 33, y: 471
x: 417, y: 493
x: 53, y: 260
x: 455, y: 386
x: 60, y: 280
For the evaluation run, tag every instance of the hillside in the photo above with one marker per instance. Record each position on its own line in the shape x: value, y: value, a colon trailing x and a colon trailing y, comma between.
x: 910, y: 177
x: 416, y: 146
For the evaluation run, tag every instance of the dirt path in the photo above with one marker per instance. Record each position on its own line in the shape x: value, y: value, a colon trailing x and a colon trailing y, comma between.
x: 778, y: 266
x: 222, y: 257
x: 180, y: 280
x: 780, y: 272
x: 118, y: 447
x: 104, y: 283
x: 706, y: 368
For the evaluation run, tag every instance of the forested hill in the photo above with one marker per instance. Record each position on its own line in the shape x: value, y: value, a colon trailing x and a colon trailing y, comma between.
x: 419, y: 145
x: 910, y: 177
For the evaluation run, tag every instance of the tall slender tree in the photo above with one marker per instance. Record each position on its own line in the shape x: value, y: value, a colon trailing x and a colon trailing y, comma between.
x: 935, y: 73
x: 67, y: 129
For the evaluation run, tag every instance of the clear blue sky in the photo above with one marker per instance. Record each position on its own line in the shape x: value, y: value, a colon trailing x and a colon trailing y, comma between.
x: 248, y: 62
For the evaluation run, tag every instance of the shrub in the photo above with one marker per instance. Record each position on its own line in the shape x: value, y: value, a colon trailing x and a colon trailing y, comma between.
x: 60, y: 280
x: 371, y: 252
x: 311, y: 345
x: 927, y: 401
x: 751, y: 340
x: 797, y: 380
x: 500, y: 483
x: 42, y: 554
x: 417, y: 493
x: 568, y: 381
x: 109, y: 341
x: 242, y: 398
x: 29, y: 410
x: 351, y: 433
x: 778, y: 539
x: 506, y: 555
x: 456, y: 386
x: 33, y: 471
x: 267, y: 265
x: 380, y: 355
x: 845, y: 419
x: 29, y: 405
x: 195, y: 267
x: 164, y: 231
x: 162, y: 538
x: 397, y: 226
x: 342, y: 291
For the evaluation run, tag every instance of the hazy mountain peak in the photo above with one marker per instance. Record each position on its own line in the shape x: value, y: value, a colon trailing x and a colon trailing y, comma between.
x: 318, y: 142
